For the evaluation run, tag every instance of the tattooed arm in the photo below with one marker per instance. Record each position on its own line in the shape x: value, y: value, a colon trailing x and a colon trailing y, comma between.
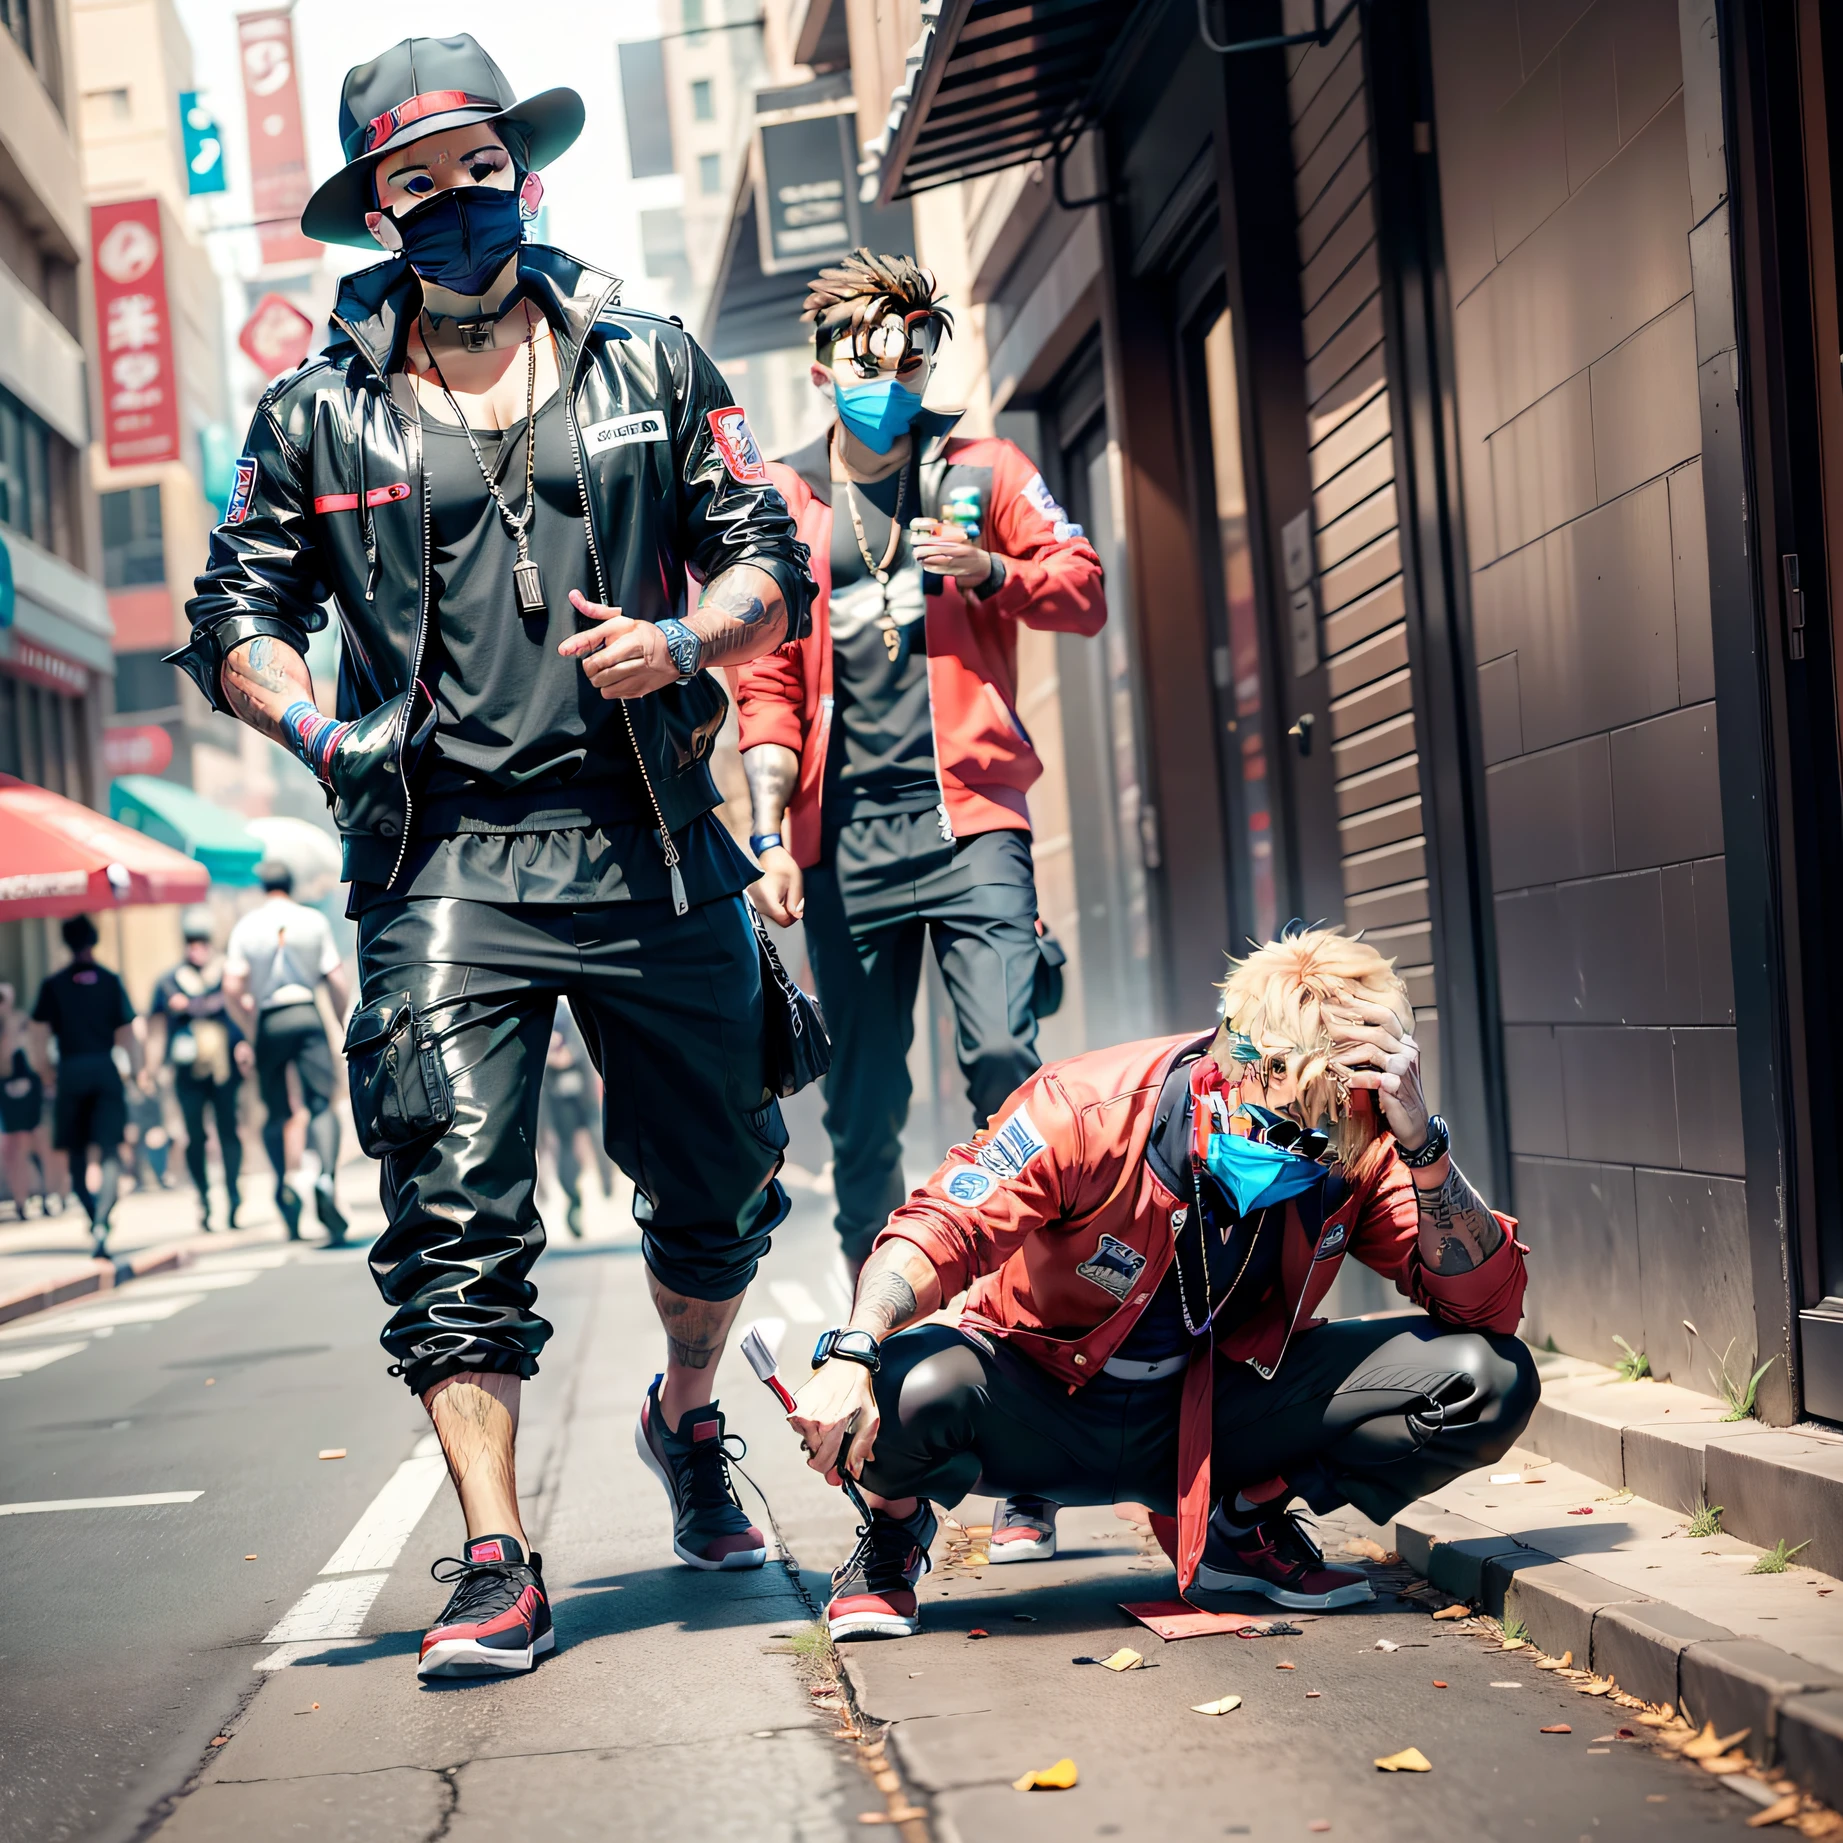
x: 261, y: 679
x: 899, y: 1284
x: 743, y: 615
x: 773, y: 771
x: 1458, y: 1231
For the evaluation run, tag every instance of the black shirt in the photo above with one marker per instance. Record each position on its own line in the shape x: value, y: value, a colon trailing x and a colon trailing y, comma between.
x: 881, y: 760
x: 85, y: 1006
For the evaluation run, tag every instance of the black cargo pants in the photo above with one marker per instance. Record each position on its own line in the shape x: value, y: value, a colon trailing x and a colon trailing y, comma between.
x: 670, y: 1007
x: 1370, y: 1412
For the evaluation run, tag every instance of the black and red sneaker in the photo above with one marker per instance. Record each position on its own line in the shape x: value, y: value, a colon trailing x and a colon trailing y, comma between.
x: 709, y: 1529
x: 498, y: 1617
x: 1023, y: 1529
x: 873, y: 1594
x: 1279, y: 1559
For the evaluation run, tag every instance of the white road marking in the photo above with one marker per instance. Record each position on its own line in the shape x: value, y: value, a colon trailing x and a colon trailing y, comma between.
x: 20, y: 1361
x: 295, y: 1650
x: 377, y: 1538
x: 209, y: 1280
x: 257, y: 1260
x: 799, y: 1305
x: 97, y: 1317
x: 98, y: 1503
x: 328, y: 1609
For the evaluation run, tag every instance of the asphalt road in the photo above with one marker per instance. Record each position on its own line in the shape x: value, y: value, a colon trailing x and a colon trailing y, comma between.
x: 131, y: 1633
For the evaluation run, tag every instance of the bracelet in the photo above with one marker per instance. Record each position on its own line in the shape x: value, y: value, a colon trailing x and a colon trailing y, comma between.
x: 312, y: 735
x: 1434, y: 1148
x: 763, y: 841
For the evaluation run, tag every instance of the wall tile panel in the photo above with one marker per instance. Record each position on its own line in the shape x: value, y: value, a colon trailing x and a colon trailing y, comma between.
x: 1648, y: 51
x: 1714, y: 955
x: 1708, y: 1078
x: 1613, y: 935
x: 1581, y: 1224
x: 1682, y: 975
x: 1532, y: 1069
x: 1589, y: 96
x: 1477, y: 63
x: 1536, y: 979
x: 1620, y: 1091
x: 1647, y: 415
x: 1530, y: 166
x: 1543, y: 24
x: 1693, y: 1264
x: 1666, y: 789
x: 1689, y: 550
x: 1551, y: 815
x: 1542, y: 465
x: 1500, y: 722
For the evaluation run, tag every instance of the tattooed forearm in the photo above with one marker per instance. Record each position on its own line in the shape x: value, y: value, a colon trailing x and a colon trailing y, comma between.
x: 743, y: 615
x: 1457, y: 1230
x: 261, y: 678
x: 773, y: 771
x: 898, y: 1285
x: 692, y: 1356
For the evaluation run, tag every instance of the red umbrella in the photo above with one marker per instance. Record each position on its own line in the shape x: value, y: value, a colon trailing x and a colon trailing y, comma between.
x: 59, y: 858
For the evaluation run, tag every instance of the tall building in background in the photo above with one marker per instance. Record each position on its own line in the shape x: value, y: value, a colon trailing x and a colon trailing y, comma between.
x: 56, y: 661
x: 159, y: 364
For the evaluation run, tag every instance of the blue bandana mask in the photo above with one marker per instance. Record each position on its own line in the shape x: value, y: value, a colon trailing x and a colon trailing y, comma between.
x: 1256, y: 1175
x: 462, y: 237
x: 877, y: 412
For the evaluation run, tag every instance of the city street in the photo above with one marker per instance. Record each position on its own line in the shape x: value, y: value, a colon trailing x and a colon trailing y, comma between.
x: 678, y: 1703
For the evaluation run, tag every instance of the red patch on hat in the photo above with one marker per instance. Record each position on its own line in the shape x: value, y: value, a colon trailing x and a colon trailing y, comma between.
x: 736, y: 444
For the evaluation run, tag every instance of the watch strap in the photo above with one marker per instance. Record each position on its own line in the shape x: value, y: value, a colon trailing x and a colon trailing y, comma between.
x: 1435, y: 1147
x: 686, y: 648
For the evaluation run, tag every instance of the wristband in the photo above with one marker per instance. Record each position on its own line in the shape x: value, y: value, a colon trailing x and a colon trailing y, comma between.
x: 312, y: 735
x: 1436, y: 1146
x: 763, y: 841
x: 852, y: 1346
x: 685, y: 646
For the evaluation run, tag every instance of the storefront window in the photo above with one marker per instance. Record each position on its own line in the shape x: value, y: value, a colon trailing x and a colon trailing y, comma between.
x: 1239, y: 670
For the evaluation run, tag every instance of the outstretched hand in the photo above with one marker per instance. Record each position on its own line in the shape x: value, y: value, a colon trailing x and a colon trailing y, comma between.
x: 622, y: 657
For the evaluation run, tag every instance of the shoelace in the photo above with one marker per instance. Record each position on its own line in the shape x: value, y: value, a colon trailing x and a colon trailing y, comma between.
x: 709, y: 1467
x: 479, y: 1586
x: 883, y: 1547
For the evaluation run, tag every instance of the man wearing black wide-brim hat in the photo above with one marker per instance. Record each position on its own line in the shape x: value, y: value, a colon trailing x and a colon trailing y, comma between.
x: 502, y: 479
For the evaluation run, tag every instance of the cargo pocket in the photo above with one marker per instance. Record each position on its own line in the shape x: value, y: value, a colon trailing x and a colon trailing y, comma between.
x: 401, y: 1095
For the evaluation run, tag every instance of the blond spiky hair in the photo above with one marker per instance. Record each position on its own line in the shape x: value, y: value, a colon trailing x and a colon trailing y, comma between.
x: 1286, y: 994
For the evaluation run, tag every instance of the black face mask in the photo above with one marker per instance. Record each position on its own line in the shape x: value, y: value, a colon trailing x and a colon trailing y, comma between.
x: 461, y: 238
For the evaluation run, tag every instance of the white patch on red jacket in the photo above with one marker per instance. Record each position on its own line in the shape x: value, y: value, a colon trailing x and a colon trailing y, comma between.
x: 736, y: 445
x: 1013, y: 1146
x: 1038, y: 495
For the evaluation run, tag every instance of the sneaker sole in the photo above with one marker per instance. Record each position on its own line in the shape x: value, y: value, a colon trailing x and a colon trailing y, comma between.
x: 1043, y: 1549
x: 733, y: 1563
x: 467, y: 1657
x: 870, y: 1625
x: 1219, y: 1582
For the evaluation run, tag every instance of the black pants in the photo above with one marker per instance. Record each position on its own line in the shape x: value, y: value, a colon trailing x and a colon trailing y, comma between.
x: 294, y: 1037
x: 980, y: 914
x: 1370, y: 1412
x: 194, y: 1097
x: 670, y: 1007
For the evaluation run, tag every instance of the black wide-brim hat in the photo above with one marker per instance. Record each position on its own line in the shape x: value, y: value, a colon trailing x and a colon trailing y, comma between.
x: 417, y: 88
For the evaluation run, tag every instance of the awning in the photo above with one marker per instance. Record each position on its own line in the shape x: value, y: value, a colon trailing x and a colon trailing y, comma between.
x: 176, y: 816
x: 995, y: 83
x: 59, y: 858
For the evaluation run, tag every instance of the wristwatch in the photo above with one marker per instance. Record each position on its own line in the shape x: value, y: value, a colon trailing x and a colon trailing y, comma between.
x: 853, y: 1346
x: 763, y: 841
x: 1437, y: 1144
x: 686, y: 648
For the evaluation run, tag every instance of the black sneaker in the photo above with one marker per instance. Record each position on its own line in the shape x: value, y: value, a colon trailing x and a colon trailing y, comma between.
x: 1279, y: 1559
x: 332, y: 1217
x: 288, y: 1201
x: 709, y: 1527
x: 873, y: 1594
x: 572, y: 1216
x: 498, y: 1617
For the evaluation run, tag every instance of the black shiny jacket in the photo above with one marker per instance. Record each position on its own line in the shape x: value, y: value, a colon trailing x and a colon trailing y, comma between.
x: 331, y: 503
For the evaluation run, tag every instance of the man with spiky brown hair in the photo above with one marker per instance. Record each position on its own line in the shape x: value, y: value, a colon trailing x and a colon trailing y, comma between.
x: 886, y: 760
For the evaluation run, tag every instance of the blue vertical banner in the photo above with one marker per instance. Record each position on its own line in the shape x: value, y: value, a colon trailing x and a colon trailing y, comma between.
x: 204, y: 146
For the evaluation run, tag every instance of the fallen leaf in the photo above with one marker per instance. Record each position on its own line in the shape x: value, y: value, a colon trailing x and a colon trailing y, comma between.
x: 1286, y: 1667
x: 1312, y: 1695
x: 1438, y: 1684
x: 1319, y: 1823
x: 1558, y: 1727
x: 1409, y: 1760
x: 1708, y: 1745
x: 1599, y: 1686
x: 1456, y: 1611
x: 1123, y: 1659
x: 1557, y: 1663
x: 1057, y: 1778
x: 978, y: 1531
x: 1775, y: 1813
x: 1367, y: 1547
x: 977, y: 1558
x: 221, y: 1740
x: 249, y: 1558
x: 1733, y: 1763
x: 979, y: 1631
x: 1514, y: 1644
x: 332, y: 1452
x: 1223, y: 1705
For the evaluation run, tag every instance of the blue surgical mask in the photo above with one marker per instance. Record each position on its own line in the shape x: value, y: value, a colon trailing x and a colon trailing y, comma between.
x: 1256, y: 1174
x: 461, y: 238
x: 877, y: 412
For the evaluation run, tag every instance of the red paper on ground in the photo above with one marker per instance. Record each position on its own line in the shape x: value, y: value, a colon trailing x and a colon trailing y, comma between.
x: 1172, y: 1619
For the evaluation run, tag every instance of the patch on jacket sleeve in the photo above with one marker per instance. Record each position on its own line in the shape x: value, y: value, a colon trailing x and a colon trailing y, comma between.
x: 1039, y: 496
x: 623, y: 431
x: 968, y: 1185
x: 1113, y: 1267
x: 1012, y: 1146
x: 243, y: 490
x: 1333, y: 1243
x: 736, y: 445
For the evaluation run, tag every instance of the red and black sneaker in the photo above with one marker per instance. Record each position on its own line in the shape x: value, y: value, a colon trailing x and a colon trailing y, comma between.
x: 1023, y: 1529
x: 709, y: 1529
x: 873, y: 1594
x: 1279, y: 1559
x: 497, y: 1618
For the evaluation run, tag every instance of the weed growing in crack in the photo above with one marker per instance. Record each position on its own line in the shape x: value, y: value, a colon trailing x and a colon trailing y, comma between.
x: 1776, y: 1559
x: 1738, y: 1394
x: 1634, y: 1366
x: 1705, y: 1519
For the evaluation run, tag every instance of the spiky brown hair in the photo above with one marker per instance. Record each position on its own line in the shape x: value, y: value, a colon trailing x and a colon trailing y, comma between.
x: 847, y: 300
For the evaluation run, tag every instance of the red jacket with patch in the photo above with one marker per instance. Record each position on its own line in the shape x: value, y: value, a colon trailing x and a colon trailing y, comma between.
x: 982, y: 750
x: 1017, y: 1214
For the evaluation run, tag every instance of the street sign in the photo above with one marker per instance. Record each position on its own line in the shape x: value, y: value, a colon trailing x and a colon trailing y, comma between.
x: 277, y: 336
x: 278, y: 147
x: 804, y: 206
x: 204, y: 142
x: 140, y: 395
x: 140, y: 748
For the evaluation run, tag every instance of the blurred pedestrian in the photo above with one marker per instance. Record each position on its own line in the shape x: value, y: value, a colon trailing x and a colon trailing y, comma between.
x: 23, y: 1139
x: 85, y: 1007
x: 278, y: 957
x: 570, y: 1110
x: 209, y: 1056
x: 886, y: 760
x: 146, y: 1143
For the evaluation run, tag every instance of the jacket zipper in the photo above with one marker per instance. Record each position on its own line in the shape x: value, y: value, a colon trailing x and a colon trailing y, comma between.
x: 680, y: 905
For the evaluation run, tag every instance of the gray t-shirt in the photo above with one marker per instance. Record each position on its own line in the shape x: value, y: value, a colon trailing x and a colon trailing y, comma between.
x: 284, y: 949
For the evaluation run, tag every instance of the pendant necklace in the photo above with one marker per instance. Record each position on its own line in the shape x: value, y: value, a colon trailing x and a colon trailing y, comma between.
x: 886, y: 622
x: 527, y: 580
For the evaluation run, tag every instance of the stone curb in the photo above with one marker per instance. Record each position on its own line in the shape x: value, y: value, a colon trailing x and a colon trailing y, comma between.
x: 1649, y: 1647
x: 102, y: 1276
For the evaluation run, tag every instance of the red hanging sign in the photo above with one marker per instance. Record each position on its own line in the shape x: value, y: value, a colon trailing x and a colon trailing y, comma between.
x: 277, y: 336
x: 141, y: 748
x: 278, y: 147
x: 140, y: 394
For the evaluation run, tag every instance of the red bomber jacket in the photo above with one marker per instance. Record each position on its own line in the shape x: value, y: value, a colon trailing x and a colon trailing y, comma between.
x: 1020, y: 1217
x: 983, y: 752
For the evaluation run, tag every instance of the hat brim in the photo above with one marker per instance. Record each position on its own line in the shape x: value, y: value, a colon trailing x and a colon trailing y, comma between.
x: 336, y: 213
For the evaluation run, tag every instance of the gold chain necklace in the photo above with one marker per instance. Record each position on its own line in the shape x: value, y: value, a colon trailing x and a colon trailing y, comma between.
x: 886, y: 622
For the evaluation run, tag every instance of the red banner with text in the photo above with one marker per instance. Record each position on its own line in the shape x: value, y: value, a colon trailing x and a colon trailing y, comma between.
x: 278, y: 147
x: 140, y: 394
